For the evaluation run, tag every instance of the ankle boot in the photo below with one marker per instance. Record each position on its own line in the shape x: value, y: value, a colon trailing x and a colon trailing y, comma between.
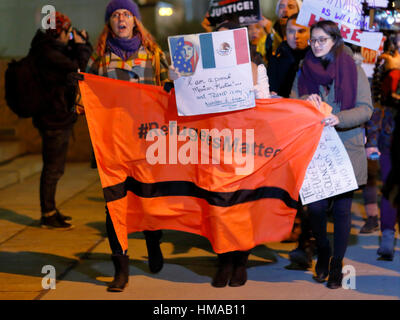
x: 239, y: 276
x: 370, y: 225
x: 386, y: 249
x: 224, y: 272
x: 121, y: 276
x: 156, y: 260
x: 322, y: 266
x: 335, y: 273
x: 300, y: 258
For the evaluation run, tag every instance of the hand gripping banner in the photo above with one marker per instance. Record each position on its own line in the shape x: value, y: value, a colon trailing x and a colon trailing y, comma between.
x: 232, y: 177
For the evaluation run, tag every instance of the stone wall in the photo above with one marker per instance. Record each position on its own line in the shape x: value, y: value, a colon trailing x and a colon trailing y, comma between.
x: 14, y: 128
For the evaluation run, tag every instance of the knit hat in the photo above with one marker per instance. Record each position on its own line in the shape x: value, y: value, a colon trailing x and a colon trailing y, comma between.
x: 122, y: 4
x: 299, y: 3
x: 62, y: 23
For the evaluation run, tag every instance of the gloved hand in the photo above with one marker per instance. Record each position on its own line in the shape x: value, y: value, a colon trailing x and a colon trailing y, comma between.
x: 173, y: 73
x: 261, y: 89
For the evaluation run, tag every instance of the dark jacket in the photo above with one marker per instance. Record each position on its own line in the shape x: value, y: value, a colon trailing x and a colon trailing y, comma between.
x: 54, y: 62
x: 380, y: 127
x: 391, y: 187
x: 274, y: 39
x: 282, y: 69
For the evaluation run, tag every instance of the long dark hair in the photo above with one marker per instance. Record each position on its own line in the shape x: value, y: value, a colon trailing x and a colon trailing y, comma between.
x: 332, y: 30
x: 390, y: 46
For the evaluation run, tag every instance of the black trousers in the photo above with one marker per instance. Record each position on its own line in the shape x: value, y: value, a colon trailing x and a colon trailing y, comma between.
x: 341, y: 221
x: 54, y: 154
x: 115, y: 246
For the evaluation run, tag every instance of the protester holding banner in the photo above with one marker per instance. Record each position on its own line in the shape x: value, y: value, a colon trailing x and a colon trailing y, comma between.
x: 126, y: 51
x: 282, y: 69
x: 385, y: 82
x: 232, y: 266
x: 328, y: 74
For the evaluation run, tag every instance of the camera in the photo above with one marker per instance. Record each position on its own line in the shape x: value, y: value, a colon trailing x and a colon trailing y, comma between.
x: 379, y: 17
x: 71, y: 34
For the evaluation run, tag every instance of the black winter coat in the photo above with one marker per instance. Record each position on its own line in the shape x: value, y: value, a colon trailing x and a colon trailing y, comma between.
x: 282, y: 69
x: 54, y: 62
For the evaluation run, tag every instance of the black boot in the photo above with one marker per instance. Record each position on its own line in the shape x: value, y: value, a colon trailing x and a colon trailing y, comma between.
x: 156, y: 260
x: 322, y: 266
x: 224, y: 272
x: 121, y: 276
x: 335, y: 273
x: 239, y: 276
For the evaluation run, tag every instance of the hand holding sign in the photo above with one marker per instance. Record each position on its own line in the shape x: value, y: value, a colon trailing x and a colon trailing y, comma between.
x: 212, y: 72
x: 173, y: 73
x: 261, y: 89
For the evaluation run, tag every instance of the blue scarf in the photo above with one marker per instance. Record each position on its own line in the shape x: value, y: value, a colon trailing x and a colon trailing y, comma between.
x: 124, y: 48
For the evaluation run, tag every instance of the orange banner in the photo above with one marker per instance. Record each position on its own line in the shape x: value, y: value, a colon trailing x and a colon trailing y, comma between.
x: 231, y: 177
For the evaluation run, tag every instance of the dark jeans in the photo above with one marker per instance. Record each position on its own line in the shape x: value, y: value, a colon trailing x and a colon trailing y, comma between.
x: 388, y: 213
x: 305, y: 223
x: 342, y: 222
x: 115, y: 246
x: 370, y: 190
x: 54, y: 154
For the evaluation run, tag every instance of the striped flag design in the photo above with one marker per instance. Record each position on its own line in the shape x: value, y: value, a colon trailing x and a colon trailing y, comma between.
x: 224, y: 49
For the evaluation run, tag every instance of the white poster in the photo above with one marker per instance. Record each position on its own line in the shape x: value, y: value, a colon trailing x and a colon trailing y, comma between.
x: 330, y: 171
x: 347, y: 14
x: 216, y: 72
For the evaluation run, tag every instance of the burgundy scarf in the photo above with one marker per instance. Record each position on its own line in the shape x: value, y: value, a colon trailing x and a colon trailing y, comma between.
x: 342, y: 69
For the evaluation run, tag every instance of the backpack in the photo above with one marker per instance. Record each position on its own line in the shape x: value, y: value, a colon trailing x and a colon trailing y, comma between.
x: 23, y: 89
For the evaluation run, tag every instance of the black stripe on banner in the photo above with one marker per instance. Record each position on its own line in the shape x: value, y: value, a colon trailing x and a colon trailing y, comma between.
x: 186, y: 188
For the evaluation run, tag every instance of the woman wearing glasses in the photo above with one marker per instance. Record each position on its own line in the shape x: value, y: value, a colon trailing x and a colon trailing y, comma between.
x: 329, y: 74
x: 126, y: 51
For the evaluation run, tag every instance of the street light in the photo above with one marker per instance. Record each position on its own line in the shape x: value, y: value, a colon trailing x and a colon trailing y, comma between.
x: 165, y: 11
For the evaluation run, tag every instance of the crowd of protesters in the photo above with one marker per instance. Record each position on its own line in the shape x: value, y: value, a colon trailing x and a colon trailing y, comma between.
x: 312, y: 64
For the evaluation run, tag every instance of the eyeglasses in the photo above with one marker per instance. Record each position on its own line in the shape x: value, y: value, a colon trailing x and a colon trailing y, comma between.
x: 321, y: 41
x: 125, y: 14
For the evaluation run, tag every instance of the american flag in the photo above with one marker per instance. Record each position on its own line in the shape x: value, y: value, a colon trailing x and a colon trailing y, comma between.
x: 185, y: 56
x: 179, y: 58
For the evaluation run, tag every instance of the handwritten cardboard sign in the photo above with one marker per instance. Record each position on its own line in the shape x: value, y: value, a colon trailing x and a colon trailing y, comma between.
x: 216, y: 71
x: 347, y: 14
x: 330, y: 171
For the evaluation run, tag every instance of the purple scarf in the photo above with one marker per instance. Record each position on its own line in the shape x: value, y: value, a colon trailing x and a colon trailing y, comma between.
x: 124, y: 48
x: 342, y: 69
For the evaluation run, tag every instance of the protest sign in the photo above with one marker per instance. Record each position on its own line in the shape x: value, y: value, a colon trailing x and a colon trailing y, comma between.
x: 330, y: 171
x: 348, y: 16
x: 216, y: 72
x: 246, y: 12
x: 370, y: 58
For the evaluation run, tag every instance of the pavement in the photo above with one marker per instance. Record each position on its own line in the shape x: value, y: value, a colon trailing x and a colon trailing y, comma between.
x: 81, y: 257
